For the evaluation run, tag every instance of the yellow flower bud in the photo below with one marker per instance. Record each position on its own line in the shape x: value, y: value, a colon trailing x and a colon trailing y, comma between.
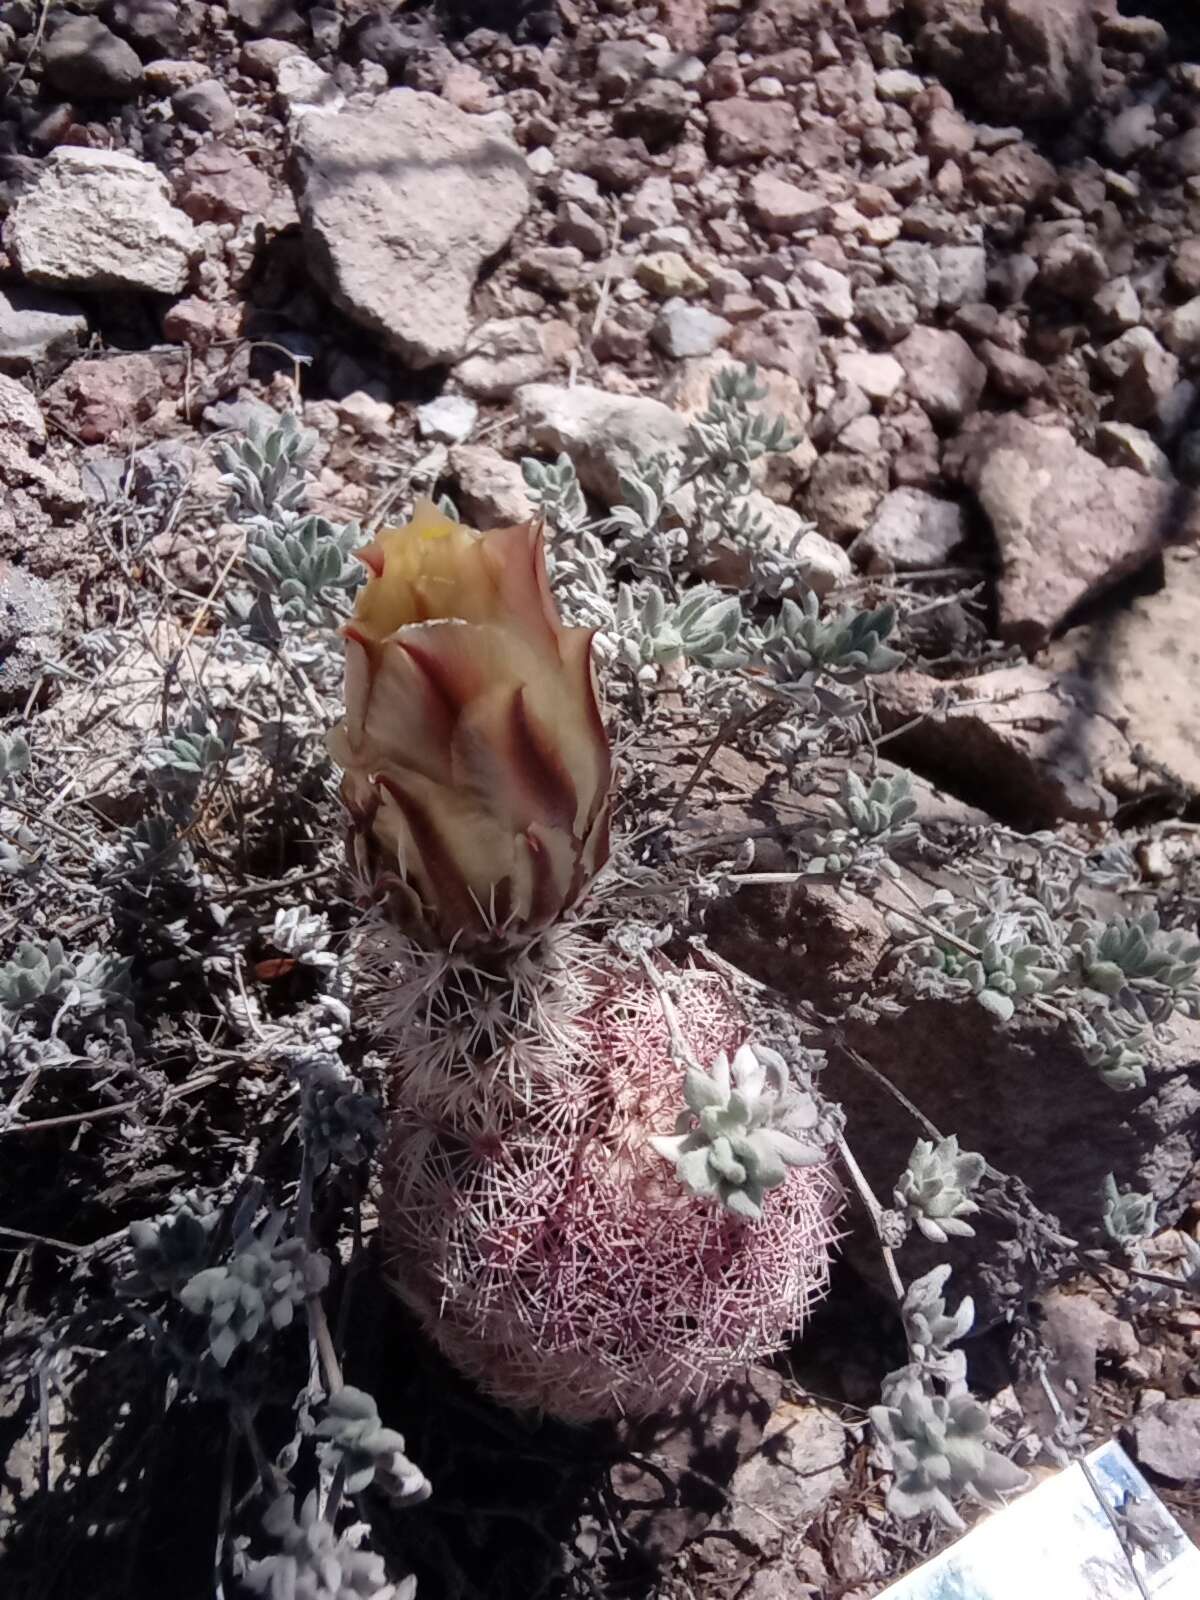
x: 477, y: 768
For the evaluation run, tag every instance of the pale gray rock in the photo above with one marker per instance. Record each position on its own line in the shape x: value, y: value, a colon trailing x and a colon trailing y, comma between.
x: 1181, y: 331
x: 501, y: 355
x: 604, y: 434
x: 912, y: 531
x: 962, y: 275
x: 683, y: 330
x: 101, y: 219
x: 491, y: 490
x: 450, y: 418
x: 37, y: 329
x: 887, y: 310
x: 878, y: 376
x: 824, y: 290
x: 1120, y: 444
x: 1066, y: 526
x: 401, y: 204
x: 1166, y: 1438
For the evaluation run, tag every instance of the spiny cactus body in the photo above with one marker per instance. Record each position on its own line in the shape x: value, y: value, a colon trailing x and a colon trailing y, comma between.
x: 551, y: 1252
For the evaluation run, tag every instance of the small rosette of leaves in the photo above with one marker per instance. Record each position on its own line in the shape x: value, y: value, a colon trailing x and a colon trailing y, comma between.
x: 934, y: 1190
x: 14, y: 757
x: 303, y: 935
x: 256, y: 1292
x: 931, y: 1328
x: 703, y: 627
x: 553, y: 487
x: 263, y: 471
x: 1129, y: 1218
x: 728, y: 436
x: 798, y: 645
x: 341, y: 1125
x: 313, y: 1563
x: 305, y: 566
x: 1116, y: 1044
x: 42, y: 978
x: 939, y: 1448
x: 172, y: 1249
x: 741, y: 1130
x: 1135, y: 952
x: 866, y: 824
x: 989, y: 956
x: 181, y: 760
x: 355, y: 1440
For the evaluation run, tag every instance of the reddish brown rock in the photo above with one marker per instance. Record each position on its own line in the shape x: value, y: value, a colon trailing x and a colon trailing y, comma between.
x: 787, y: 341
x: 1013, y: 175
x: 1066, y: 526
x: 94, y: 400
x: 220, y: 184
x: 748, y: 130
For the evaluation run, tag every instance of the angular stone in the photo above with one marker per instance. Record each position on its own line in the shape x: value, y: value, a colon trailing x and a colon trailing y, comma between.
x: 1166, y: 1438
x: 668, y: 273
x: 31, y: 620
x: 99, y: 219
x: 85, y: 60
x: 942, y: 374
x: 786, y: 1483
x: 877, y: 376
x: 1181, y: 331
x: 1066, y: 526
x: 1148, y: 657
x: 221, y: 184
x: 1022, y: 60
x: 37, y: 329
x: 604, y: 434
x: 788, y: 341
x: 205, y: 106
x: 153, y: 27
x: 401, y: 204
x: 491, y: 491
x: 501, y: 355
x: 450, y: 418
x: 1120, y: 444
x: 1074, y: 268
x: 844, y: 491
x: 749, y: 130
x: 97, y: 399
x: 783, y: 207
x: 962, y: 275
x: 912, y: 532
x: 824, y: 290
x: 1040, y: 747
x: 1145, y: 390
x: 683, y: 330
x: 886, y: 310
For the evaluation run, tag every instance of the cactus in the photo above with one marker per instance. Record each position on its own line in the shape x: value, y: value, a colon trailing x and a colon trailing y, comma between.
x: 529, y: 1220
x: 549, y: 1249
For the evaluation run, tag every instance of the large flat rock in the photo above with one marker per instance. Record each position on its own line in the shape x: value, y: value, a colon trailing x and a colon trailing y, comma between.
x: 100, y: 219
x: 1067, y: 527
x: 401, y: 204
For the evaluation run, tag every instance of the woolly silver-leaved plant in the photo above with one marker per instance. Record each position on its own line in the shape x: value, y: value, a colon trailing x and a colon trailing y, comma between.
x: 741, y: 1130
x: 934, y: 1190
x: 354, y: 1439
x: 313, y: 1563
x: 940, y: 1447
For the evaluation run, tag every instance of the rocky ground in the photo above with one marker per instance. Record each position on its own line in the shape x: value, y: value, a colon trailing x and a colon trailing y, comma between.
x: 960, y: 239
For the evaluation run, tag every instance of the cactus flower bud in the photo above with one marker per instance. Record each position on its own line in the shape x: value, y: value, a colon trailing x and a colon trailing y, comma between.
x: 477, y: 768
